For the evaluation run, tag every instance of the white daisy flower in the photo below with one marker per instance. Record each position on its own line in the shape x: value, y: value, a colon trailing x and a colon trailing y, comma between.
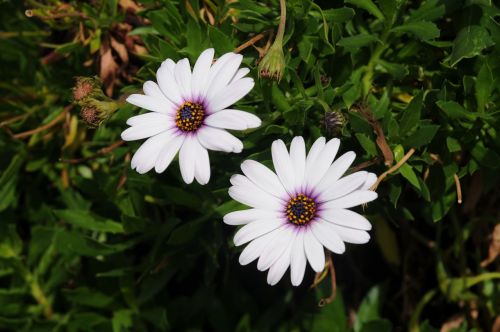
x: 189, y: 114
x: 300, y: 209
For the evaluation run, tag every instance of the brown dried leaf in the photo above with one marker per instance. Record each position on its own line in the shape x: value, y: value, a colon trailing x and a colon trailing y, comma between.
x: 121, y: 50
x: 452, y: 323
x: 494, y: 249
x: 130, y: 5
x: 496, y: 325
x: 108, y: 68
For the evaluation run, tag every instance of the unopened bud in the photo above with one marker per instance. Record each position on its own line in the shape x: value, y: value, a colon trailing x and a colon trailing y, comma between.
x: 86, y: 87
x: 95, y: 112
x: 334, y: 121
x: 272, y: 65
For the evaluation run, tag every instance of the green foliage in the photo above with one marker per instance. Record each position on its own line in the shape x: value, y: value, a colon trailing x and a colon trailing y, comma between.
x: 87, y: 244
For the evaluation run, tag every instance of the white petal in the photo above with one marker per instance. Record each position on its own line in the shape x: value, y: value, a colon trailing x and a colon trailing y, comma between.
x: 370, y: 181
x: 183, y: 78
x: 168, y: 84
x: 317, y: 168
x: 168, y: 153
x: 274, y: 249
x: 242, y: 72
x: 355, y: 198
x: 150, y: 103
x: 248, y: 193
x: 327, y: 236
x: 314, y: 152
x: 201, y: 71
x: 245, y: 216
x: 336, y: 170
x: 144, y: 131
x: 169, y: 64
x: 279, y: 267
x: 314, y: 251
x: 202, y: 167
x: 152, y: 89
x: 264, y: 178
x: 187, y: 159
x: 149, y: 119
x: 214, y: 70
x: 219, y: 140
x: 231, y: 94
x: 255, y: 229
x: 254, y: 249
x: 233, y: 119
x: 298, y: 259
x: 283, y: 166
x: 343, y: 186
x: 351, y: 235
x: 298, y: 159
x: 223, y: 76
x: 145, y: 157
x: 346, y: 218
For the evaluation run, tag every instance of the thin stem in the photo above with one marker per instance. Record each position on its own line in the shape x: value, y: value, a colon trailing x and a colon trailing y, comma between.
x: 281, y: 27
x: 99, y: 153
x: 333, y: 282
x: 459, y: 188
x: 52, y: 123
x: 249, y: 42
x: 393, y: 168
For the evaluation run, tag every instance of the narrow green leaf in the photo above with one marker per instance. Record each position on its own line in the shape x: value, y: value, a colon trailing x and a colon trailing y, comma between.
x: 423, y: 30
x: 470, y: 41
x: 369, y: 6
x: 86, y: 220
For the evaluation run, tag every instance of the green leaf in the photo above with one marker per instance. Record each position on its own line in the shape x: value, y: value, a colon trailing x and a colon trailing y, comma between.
x: 355, y: 42
x: 430, y: 10
x: 455, y: 111
x: 88, y: 297
x: 369, y: 309
x: 379, y: 325
x: 411, y: 114
x: 453, y: 144
x: 423, y: 30
x: 122, y: 320
x: 69, y: 243
x: 470, y: 41
x: 339, y: 15
x: 221, y: 42
x: 485, y: 156
x: 485, y: 83
x: 367, y: 144
x: 422, y: 136
x: 369, y: 6
x: 408, y: 173
x: 86, y: 220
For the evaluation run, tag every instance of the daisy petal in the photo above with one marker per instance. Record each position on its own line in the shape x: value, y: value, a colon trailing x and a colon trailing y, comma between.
x: 344, y: 186
x: 150, y: 103
x: 279, y: 267
x: 255, y: 229
x: 145, y: 131
x: 370, y: 181
x: 245, y: 216
x: 144, y: 158
x: 233, y: 119
x: 353, y: 199
x: 201, y: 71
x: 263, y: 177
x: 187, y: 159
x: 169, y: 65
x: 298, y: 260
x: 327, y: 236
x: 202, y: 167
x: 314, y: 251
x: 283, y: 166
x: 224, y: 76
x: 346, y: 218
x: 242, y: 72
x: 152, y: 89
x: 273, y: 250
x: 149, y: 119
x: 317, y: 168
x: 246, y: 192
x: 168, y: 84
x: 336, y: 170
x: 219, y: 140
x: 314, y: 152
x: 183, y: 77
x: 254, y: 249
x: 298, y: 158
x: 231, y: 94
x: 351, y: 235
x: 168, y: 153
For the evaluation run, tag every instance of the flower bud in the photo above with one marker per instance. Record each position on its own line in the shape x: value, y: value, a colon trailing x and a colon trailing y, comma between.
x: 334, y: 122
x: 272, y: 64
x: 86, y: 87
x: 95, y: 112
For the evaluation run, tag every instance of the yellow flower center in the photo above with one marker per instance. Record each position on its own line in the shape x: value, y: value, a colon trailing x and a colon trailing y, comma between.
x: 190, y: 116
x: 301, y: 210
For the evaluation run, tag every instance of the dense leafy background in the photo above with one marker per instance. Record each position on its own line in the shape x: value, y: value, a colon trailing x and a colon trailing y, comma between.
x: 93, y: 246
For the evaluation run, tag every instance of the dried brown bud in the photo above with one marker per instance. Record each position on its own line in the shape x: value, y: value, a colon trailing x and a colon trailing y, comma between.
x: 90, y: 115
x: 325, y: 79
x: 86, y: 87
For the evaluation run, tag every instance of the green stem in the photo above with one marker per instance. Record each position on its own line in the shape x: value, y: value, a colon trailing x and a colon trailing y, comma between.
x: 368, y: 78
x: 281, y: 28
